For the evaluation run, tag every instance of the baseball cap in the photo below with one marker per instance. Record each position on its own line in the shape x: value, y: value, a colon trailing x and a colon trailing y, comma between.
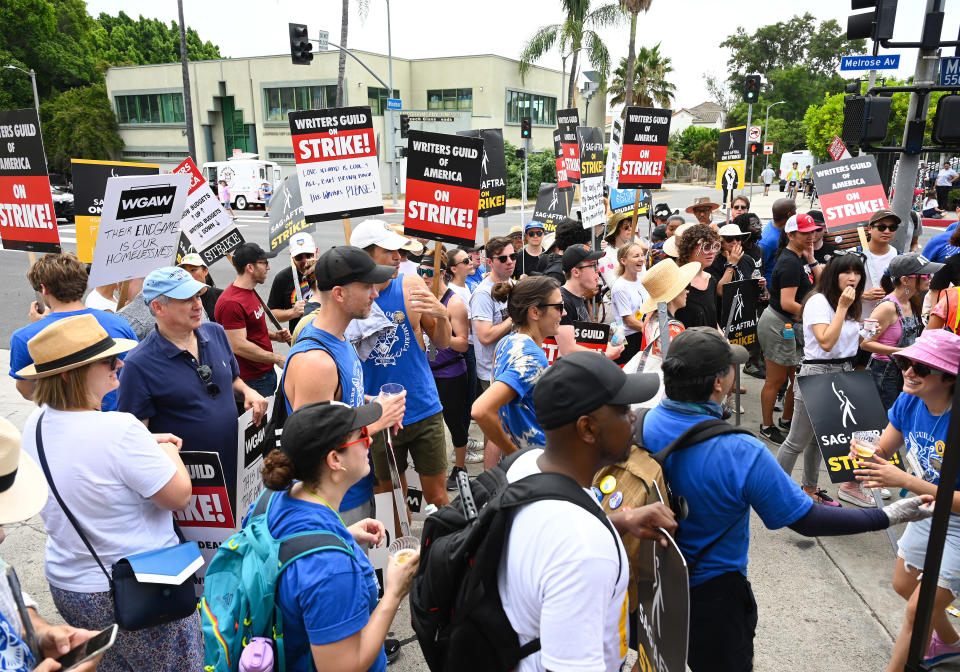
x: 576, y: 254
x: 310, y: 428
x: 171, y: 281
x: 344, y: 264
x: 912, y: 263
x: 662, y: 211
x: 803, y: 223
x: 884, y: 214
x: 532, y: 225
x: 378, y: 232
x: 817, y: 217
x: 703, y: 350
x: 250, y: 253
x: 581, y: 382
x: 192, y: 259
x: 302, y: 243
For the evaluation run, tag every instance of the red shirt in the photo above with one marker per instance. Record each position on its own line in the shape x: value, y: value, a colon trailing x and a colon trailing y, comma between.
x: 241, y: 309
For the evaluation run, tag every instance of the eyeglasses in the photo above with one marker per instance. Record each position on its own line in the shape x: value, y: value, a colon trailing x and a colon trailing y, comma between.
x: 740, y: 207
x: 206, y: 375
x: 922, y: 370
x: 425, y: 272
x: 364, y: 438
x: 263, y: 262
x: 535, y: 233
x: 582, y: 266
x: 112, y: 362
x: 558, y: 306
x: 885, y: 227
x: 502, y: 258
x: 707, y: 248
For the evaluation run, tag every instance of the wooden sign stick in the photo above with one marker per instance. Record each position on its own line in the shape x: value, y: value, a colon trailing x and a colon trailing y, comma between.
x: 636, y: 210
x: 346, y: 231
x: 32, y: 258
x: 436, y: 269
x: 122, y: 299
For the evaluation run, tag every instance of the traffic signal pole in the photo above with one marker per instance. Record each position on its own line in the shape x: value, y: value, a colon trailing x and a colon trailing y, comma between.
x: 746, y: 145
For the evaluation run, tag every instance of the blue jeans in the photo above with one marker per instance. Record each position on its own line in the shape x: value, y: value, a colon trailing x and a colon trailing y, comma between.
x: 266, y: 384
x: 888, y: 379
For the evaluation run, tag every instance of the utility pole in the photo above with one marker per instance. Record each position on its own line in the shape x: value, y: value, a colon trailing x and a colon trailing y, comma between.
x: 390, y: 144
x: 924, y: 75
x: 187, y: 98
x: 746, y: 145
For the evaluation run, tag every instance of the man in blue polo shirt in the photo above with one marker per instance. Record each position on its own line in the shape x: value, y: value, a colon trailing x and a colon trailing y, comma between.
x: 61, y: 279
x: 183, y: 377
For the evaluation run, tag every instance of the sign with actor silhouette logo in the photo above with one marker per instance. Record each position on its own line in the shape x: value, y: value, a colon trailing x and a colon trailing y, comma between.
x: 739, y: 311
x: 553, y: 204
x: 839, y: 404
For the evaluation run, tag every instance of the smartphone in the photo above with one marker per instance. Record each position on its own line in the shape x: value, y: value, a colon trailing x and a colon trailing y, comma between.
x: 91, y: 648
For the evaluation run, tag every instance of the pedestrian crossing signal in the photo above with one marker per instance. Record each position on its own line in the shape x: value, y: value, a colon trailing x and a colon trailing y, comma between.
x: 755, y: 148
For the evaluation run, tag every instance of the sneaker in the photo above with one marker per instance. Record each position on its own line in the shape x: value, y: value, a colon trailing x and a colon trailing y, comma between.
x: 820, y: 496
x: 884, y: 493
x: 452, y: 478
x: 855, y: 494
x: 939, y: 652
x: 473, y: 444
x: 772, y: 434
x: 474, y: 452
x: 392, y: 648
x: 784, y: 424
x: 778, y: 404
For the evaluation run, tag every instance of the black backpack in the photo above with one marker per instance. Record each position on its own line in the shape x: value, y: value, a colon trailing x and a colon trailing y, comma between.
x: 455, y: 604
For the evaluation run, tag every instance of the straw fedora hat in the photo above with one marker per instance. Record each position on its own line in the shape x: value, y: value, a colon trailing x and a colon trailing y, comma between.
x: 665, y: 280
x: 732, y: 231
x: 613, y: 223
x: 69, y: 344
x: 670, y: 244
x: 23, y: 489
x: 700, y: 202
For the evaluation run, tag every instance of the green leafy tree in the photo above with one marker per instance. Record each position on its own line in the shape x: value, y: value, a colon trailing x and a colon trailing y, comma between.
x: 79, y: 123
x: 576, y: 34
x: 650, y: 84
x: 121, y: 40
x: 705, y: 154
x: 633, y: 8
x: 689, y: 140
x: 541, y: 167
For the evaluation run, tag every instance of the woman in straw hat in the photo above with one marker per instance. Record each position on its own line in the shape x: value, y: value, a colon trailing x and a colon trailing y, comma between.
x: 120, y: 482
x: 666, y: 283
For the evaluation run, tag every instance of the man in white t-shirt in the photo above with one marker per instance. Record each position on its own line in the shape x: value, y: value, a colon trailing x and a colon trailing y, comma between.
x: 767, y: 176
x: 879, y: 253
x: 563, y: 574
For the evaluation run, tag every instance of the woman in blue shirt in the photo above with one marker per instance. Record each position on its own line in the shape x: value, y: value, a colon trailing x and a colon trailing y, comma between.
x: 332, y: 618
x: 505, y: 410
x: 918, y: 421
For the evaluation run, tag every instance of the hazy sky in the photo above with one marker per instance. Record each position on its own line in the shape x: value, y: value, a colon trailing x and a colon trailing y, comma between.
x: 688, y: 30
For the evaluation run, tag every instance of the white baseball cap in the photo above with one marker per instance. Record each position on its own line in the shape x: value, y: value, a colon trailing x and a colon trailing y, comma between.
x: 301, y: 243
x: 378, y: 232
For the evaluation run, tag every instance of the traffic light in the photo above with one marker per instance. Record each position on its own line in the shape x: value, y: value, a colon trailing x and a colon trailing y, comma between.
x: 865, y: 119
x: 751, y: 89
x: 946, y: 123
x: 525, y: 127
x: 521, y: 153
x: 301, y: 49
x: 877, y: 25
x: 755, y: 148
x: 404, y: 125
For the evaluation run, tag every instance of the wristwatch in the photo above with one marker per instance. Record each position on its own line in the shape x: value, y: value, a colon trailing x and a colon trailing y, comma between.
x: 813, y: 264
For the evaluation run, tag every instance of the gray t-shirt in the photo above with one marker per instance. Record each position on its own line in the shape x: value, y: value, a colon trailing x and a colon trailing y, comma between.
x: 484, y: 308
x: 141, y: 320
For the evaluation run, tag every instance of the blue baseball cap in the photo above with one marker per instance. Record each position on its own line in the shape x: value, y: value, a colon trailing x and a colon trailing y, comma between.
x: 532, y: 225
x: 171, y: 281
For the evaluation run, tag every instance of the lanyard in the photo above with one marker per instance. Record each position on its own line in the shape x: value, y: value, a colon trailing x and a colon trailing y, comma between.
x: 323, y: 501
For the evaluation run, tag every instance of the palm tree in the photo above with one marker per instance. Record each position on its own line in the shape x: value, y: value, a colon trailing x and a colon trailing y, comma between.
x: 577, y: 33
x: 633, y: 7
x: 650, y: 85
x: 363, y: 6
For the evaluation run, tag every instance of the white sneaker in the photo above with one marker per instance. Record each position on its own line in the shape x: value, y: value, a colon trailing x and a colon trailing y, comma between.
x: 474, y: 456
x: 884, y: 493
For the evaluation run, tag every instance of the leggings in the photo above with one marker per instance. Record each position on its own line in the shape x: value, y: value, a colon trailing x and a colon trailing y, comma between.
x: 453, y: 398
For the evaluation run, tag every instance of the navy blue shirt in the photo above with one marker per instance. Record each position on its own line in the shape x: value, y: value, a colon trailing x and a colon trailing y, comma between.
x: 939, y: 247
x: 160, y: 383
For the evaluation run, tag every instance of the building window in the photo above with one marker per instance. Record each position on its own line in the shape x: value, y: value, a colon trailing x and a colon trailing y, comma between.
x: 542, y: 110
x: 279, y: 101
x: 280, y: 156
x: 150, y: 108
x: 377, y: 99
x: 450, y: 99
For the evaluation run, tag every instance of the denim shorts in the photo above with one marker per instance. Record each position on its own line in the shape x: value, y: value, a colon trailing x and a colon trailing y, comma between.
x: 912, y: 547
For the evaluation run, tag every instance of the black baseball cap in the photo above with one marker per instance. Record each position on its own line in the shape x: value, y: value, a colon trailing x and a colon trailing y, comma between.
x: 310, y: 428
x: 581, y: 382
x: 249, y: 253
x: 703, y: 350
x: 344, y: 264
x: 576, y: 254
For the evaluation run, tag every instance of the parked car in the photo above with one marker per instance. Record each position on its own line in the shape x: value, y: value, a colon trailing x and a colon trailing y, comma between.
x: 62, y: 203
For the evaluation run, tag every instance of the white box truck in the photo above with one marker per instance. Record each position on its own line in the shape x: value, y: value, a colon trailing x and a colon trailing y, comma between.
x: 244, y: 175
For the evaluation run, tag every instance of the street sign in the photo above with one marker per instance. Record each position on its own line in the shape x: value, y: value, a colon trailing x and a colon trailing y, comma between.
x: 950, y: 71
x: 394, y: 104
x: 885, y: 62
x: 754, y: 134
x: 768, y: 148
x: 322, y: 37
x: 837, y: 150
x: 421, y: 117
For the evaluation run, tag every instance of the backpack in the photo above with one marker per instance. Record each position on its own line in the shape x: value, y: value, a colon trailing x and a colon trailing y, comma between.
x: 455, y: 604
x: 635, y: 481
x: 239, y: 593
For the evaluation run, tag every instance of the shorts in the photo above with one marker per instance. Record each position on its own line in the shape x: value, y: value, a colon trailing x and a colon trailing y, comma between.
x: 912, y: 547
x: 776, y: 348
x: 424, y: 441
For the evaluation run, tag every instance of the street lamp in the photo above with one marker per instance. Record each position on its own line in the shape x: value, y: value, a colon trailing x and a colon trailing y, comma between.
x: 33, y: 80
x: 781, y: 102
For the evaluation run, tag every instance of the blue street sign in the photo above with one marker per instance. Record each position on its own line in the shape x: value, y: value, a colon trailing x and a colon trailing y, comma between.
x: 885, y: 62
x: 394, y: 104
x: 950, y: 71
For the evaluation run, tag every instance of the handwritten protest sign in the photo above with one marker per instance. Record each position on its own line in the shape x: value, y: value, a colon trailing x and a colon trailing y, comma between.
x: 337, y: 168
x: 27, y: 218
x: 553, y: 205
x: 562, y: 181
x: 139, y: 227
x: 205, y: 223
x: 568, y: 120
x: 850, y: 191
x: 443, y: 187
x: 493, y: 172
x: 644, y: 154
x: 89, y: 184
x: 592, y: 209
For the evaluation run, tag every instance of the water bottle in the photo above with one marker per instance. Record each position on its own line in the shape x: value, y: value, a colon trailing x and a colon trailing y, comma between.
x: 788, y: 331
x: 618, y: 334
x: 257, y: 656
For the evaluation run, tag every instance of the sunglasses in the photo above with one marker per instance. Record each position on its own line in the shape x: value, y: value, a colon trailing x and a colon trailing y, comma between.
x: 558, y: 306
x: 364, y: 438
x: 206, y: 377
x: 425, y: 272
x: 535, y: 233
x: 502, y: 258
x: 852, y: 252
x: 920, y: 276
x: 112, y: 362
x: 740, y: 207
x: 707, y: 248
x: 885, y: 227
x: 731, y: 239
x: 922, y: 370
x: 464, y: 262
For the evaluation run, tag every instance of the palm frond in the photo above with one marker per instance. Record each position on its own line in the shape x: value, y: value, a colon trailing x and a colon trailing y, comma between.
x: 597, y: 54
x: 537, y: 46
x: 605, y: 15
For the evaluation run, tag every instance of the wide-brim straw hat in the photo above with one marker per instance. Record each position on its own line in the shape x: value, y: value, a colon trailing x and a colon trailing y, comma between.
x: 613, y: 223
x: 670, y: 244
x: 664, y: 280
x: 23, y: 489
x: 732, y: 231
x: 69, y: 344
x: 700, y: 202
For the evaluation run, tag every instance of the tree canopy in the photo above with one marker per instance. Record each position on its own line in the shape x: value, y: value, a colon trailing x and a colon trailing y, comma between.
x: 651, y: 85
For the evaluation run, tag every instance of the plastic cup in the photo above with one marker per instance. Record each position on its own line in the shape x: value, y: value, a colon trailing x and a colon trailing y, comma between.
x: 403, y: 548
x: 865, y: 444
x: 388, y: 390
x: 870, y: 328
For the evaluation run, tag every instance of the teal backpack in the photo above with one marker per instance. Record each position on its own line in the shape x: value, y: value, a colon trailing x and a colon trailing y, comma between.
x: 239, y: 594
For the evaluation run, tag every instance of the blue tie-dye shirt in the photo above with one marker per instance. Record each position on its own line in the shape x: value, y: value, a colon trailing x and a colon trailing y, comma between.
x: 519, y: 363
